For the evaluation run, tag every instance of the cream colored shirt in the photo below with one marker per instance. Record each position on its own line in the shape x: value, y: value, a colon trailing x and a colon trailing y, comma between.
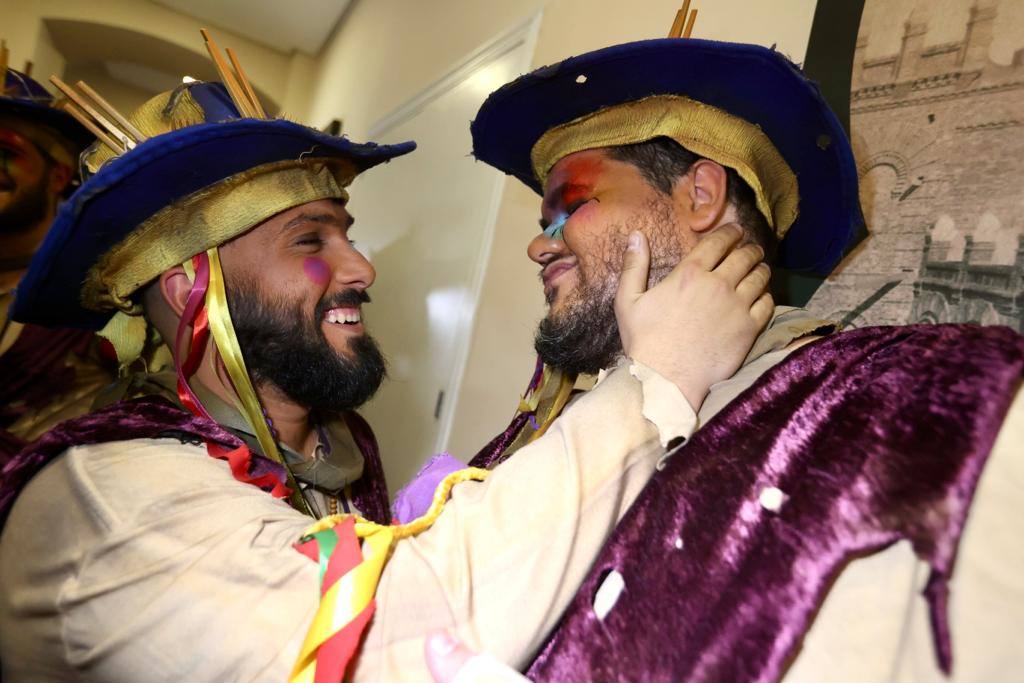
x: 145, y: 560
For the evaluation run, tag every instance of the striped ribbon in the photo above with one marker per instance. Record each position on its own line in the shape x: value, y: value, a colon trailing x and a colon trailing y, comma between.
x: 348, y: 580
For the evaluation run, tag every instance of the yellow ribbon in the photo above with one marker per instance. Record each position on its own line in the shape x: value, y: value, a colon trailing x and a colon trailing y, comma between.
x: 350, y: 595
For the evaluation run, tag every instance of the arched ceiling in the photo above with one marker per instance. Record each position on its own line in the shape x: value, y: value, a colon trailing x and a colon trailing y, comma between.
x: 143, y: 61
x: 278, y: 25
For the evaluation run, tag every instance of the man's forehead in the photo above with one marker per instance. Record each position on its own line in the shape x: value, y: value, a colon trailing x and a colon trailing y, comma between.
x: 588, y: 162
x: 329, y: 210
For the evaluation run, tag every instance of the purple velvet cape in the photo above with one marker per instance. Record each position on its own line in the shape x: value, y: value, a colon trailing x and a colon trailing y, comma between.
x: 875, y: 436
x: 153, y: 417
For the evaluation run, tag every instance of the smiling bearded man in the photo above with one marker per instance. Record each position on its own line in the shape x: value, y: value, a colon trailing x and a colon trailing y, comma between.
x: 301, y: 361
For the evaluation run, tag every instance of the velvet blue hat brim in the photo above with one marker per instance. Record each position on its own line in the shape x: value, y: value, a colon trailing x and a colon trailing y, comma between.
x: 131, y: 188
x: 750, y: 82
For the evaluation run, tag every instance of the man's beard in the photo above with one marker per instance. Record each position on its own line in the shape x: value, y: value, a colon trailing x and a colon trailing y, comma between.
x: 25, y: 210
x: 583, y: 337
x: 283, y: 347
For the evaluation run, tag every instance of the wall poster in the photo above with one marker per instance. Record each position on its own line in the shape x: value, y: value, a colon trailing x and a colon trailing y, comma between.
x: 937, y: 125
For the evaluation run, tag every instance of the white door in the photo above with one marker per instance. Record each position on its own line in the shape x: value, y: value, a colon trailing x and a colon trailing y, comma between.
x: 425, y: 221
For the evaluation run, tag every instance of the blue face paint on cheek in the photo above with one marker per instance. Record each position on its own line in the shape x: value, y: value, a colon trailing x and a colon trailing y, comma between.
x: 555, y: 230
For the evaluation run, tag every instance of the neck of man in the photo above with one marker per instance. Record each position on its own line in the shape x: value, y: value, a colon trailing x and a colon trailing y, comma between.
x: 290, y: 420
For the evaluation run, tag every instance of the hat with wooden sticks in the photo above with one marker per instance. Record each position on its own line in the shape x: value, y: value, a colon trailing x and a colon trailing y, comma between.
x: 167, y: 185
x: 746, y: 107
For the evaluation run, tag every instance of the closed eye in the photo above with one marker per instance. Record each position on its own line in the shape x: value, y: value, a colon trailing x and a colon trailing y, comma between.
x: 309, y: 240
x: 576, y: 205
x: 554, y: 229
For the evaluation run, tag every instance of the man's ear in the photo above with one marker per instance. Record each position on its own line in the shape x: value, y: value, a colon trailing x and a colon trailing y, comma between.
x: 175, y: 288
x: 705, y: 196
x: 60, y: 178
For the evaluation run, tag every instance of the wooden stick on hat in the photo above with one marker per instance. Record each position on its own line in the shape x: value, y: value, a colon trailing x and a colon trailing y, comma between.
x: 681, y: 20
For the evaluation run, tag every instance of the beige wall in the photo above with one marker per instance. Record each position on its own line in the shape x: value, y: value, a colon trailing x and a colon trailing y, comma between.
x: 28, y: 39
x: 387, y: 51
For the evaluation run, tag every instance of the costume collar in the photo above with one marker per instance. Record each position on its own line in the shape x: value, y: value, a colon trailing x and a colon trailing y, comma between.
x: 336, y: 462
x: 788, y: 324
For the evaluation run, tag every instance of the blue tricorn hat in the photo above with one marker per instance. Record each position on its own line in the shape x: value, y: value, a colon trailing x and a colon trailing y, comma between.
x: 744, y: 106
x: 202, y: 176
x: 23, y: 97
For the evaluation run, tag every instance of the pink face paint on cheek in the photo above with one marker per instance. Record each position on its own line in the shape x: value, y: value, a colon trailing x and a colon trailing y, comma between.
x: 316, y: 270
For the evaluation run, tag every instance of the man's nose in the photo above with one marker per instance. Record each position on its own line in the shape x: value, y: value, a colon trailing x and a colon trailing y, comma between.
x: 353, y: 270
x: 543, y: 249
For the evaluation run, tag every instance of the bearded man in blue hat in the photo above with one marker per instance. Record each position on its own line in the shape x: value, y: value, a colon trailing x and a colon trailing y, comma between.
x: 826, y: 483
x: 166, y: 540
x: 49, y: 375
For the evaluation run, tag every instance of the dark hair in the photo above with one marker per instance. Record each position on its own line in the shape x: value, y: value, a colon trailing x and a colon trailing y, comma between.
x: 662, y: 161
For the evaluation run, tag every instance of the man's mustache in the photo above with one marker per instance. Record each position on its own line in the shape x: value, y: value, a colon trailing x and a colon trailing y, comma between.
x: 348, y: 298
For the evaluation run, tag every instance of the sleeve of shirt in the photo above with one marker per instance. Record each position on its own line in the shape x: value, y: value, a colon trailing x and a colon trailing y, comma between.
x: 986, y: 603
x: 875, y: 624
x: 506, y: 556
x: 664, y: 405
x: 194, y: 576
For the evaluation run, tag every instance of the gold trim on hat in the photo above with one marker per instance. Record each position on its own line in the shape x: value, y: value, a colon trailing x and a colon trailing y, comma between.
x: 701, y: 128
x: 208, y: 218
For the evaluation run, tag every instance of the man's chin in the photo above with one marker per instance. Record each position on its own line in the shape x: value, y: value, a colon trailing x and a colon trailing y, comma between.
x: 340, y: 336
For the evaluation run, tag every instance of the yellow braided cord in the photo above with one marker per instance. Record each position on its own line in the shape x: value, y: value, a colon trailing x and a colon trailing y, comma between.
x: 365, y: 527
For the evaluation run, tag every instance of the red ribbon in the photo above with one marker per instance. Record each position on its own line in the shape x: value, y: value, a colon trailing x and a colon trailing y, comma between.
x: 193, y: 316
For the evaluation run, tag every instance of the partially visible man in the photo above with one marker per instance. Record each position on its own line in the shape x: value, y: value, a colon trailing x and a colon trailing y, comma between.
x: 49, y: 375
x: 824, y: 487
x: 136, y: 537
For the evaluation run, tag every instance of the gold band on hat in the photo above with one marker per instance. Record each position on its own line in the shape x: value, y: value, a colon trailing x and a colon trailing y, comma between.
x: 208, y: 218
x: 701, y: 128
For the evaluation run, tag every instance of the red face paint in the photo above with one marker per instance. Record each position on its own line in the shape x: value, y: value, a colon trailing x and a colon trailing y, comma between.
x: 316, y: 270
x: 570, y: 185
x: 578, y: 177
